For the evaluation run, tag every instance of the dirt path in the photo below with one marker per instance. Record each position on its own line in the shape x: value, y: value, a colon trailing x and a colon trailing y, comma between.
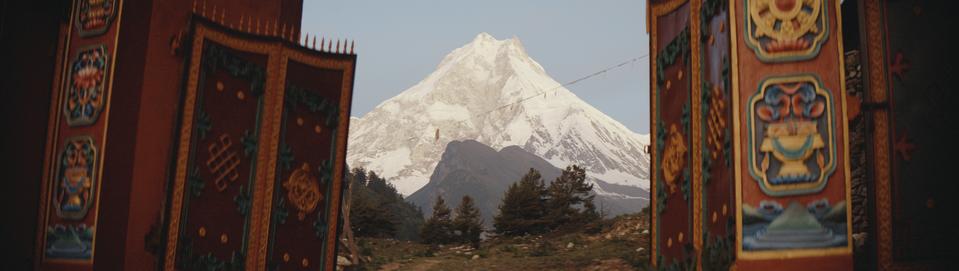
x: 415, y: 266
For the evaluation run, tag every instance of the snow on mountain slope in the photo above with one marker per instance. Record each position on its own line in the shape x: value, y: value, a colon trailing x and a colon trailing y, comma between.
x: 404, y: 137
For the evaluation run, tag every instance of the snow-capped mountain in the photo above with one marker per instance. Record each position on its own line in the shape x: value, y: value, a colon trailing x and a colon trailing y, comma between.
x: 404, y: 137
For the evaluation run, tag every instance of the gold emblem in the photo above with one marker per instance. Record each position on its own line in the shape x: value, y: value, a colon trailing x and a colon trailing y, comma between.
x: 716, y: 123
x: 783, y: 30
x: 674, y: 157
x: 303, y: 190
x: 223, y: 162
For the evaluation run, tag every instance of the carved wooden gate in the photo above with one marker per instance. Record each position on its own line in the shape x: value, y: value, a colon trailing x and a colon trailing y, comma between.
x: 260, y: 156
x: 750, y: 159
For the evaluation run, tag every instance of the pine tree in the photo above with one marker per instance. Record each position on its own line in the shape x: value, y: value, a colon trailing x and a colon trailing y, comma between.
x: 371, y: 217
x: 381, y: 213
x: 570, y: 201
x: 438, y: 228
x: 468, y: 224
x: 523, y: 208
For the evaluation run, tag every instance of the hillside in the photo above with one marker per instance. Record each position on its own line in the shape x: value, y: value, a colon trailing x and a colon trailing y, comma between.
x: 471, y: 168
x: 620, y: 243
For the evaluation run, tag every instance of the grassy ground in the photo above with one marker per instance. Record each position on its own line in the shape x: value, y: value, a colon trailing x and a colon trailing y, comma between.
x: 615, y: 244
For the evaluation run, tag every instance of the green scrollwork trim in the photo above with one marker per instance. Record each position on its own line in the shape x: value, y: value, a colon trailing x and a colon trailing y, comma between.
x: 217, y: 57
x: 190, y: 260
x: 196, y: 183
x: 669, y: 54
x: 248, y: 139
x: 314, y: 103
x: 243, y: 201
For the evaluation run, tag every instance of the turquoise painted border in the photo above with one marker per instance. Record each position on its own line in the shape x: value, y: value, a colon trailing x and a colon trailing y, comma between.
x: 777, y: 59
x: 750, y: 132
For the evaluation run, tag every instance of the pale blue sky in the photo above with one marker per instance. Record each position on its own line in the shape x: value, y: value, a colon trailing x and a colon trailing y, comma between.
x: 401, y: 42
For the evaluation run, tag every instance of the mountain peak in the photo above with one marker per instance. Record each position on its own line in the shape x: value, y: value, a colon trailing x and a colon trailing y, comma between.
x: 483, y: 36
x: 474, y: 94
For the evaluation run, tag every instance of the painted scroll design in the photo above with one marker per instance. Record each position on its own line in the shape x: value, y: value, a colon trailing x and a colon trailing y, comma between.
x: 95, y: 17
x: 785, y: 30
x: 791, y: 136
x: 85, y: 92
x: 74, y: 195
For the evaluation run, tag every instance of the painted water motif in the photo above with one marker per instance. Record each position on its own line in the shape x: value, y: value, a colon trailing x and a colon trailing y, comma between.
x: 814, y: 225
x: 69, y: 242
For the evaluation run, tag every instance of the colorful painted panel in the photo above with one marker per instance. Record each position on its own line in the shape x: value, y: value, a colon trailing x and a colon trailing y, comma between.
x: 74, y: 164
x: 215, y: 217
x: 76, y: 177
x: 70, y: 236
x: 85, y: 89
x: 717, y: 215
x: 94, y: 16
x: 790, y: 139
x: 790, y: 135
x: 673, y: 203
x: 785, y: 30
x: 307, y: 164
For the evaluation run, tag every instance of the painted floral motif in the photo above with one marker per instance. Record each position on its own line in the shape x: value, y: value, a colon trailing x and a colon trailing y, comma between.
x: 791, y: 136
x: 785, y: 30
x: 75, y: 179
x: 95, y: 16
x: 84, y: 96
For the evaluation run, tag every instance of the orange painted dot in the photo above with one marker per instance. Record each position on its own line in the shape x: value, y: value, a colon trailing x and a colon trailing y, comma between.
x: 680, y: 237
x: 202, y: 232
x: 240, y: 95
x: 668, y: 83
x: 317, y: 129
x: 224, y: 238
x: 722, y: 27
x: 669, y: 242
x: 219, y: 86
x: 679, y: 75
x: 305, y: 262
x: 714, y: 216
x: 724, y: 209
x: 286, y: 257
x: 299, y: 121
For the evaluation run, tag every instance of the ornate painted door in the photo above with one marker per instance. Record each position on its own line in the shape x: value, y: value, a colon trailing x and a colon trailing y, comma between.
x: 260, y: 155
x: 909, y: 105
x: 80, y: 115
x: 672, y: 153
